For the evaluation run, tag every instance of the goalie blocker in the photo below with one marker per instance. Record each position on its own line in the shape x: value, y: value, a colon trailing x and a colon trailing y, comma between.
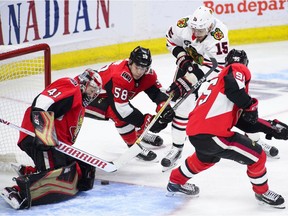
x: 49, y: 186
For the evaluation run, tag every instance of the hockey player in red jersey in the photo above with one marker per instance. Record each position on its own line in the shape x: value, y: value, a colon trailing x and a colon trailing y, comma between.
x: 192, y: 41
x: 122, y: 81
x: 56, y: 114
x: 224, y: 103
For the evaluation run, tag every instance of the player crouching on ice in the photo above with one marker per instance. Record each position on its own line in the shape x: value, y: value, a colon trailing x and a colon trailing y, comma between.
x: 123, y: 81
x: 224, y: 103
x: 56, y: 114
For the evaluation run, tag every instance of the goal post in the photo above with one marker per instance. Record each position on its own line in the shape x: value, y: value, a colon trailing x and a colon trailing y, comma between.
x: 25, y: 70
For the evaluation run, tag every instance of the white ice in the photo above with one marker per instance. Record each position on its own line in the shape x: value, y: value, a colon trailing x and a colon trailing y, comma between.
x: 139, y: 188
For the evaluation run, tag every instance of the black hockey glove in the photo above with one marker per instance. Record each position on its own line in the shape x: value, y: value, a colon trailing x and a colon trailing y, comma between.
x: 279, y: 130
x: 158, y: 126
x: 167, y: 115
x: 250, y: 114
x: 185, y: 63
x: 179, y: 87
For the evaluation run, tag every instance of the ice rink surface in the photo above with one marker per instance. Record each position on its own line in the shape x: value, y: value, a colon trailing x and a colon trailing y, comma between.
x: 139, y: 188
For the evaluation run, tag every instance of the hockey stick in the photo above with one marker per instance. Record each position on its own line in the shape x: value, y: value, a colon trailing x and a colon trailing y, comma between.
x: 199, y: 83
x: 72, y: 151
x: 136, y: 148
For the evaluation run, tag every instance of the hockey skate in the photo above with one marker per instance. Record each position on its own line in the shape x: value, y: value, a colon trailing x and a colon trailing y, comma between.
x: 271, y: 151
x: 147, y: 155
x: 271, y: 199
x: 152, y: 139
x: 187, y: 189
x: 12, y: 197
x: 169, y: 161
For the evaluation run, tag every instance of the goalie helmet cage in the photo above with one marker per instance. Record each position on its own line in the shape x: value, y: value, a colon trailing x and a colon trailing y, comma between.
x: 25, y: 70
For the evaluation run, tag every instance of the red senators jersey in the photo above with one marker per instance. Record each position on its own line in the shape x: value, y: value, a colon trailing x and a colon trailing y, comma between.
x: 119, y: 84
x: 214, y: 113
x: 64, y: 98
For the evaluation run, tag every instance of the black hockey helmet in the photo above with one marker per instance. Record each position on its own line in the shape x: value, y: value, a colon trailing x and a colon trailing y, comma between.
x: 236, y: 56
x: 141, y: 57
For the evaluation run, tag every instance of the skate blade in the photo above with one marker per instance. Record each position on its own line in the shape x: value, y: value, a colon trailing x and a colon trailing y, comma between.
x: 152, y: 147
x: 180, y: 194
x: 165, y: 169
x: 282, y: 206
x: 273, y: 158
x: 156, y: 160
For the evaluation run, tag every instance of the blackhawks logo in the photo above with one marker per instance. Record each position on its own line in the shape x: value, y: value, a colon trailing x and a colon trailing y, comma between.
x: 182, y: 23
x: 217, y: 34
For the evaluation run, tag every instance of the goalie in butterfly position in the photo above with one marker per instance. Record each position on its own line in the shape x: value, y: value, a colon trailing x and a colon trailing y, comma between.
x: 190, y: 41
x: 56, y: 114
x: 211, y: 135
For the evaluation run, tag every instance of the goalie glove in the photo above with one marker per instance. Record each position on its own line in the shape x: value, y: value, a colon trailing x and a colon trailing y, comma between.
x: 45, y: 134
x: 279, y: 130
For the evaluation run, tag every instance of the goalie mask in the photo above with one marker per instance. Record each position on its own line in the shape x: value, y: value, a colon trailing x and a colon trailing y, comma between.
x: 236, y: 56
x: 202, y: 21
x: 90, y: 85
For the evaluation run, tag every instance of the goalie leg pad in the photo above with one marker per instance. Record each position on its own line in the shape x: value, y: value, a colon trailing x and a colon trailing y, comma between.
x: 49, y: 186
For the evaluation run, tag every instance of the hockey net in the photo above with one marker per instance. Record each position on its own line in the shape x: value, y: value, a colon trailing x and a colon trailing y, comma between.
x: 24, y: 72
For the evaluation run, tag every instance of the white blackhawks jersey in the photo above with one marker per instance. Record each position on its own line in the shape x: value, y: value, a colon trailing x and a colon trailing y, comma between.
x: 216, y: 43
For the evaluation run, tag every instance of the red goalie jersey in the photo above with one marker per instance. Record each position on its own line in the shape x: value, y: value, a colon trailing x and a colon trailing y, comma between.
x: 64, y: 98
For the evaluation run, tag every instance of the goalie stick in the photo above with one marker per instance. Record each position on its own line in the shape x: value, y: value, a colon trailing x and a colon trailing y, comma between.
x: 72, y: 151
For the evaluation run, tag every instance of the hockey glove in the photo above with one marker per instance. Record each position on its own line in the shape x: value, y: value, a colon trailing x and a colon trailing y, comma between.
x: 167, y: 115
x: 156, y: 127
x: 45, y: 134
x: 279, y: 130
x: 179, y: 87
x: 185, y: 63
x: 250, y: 114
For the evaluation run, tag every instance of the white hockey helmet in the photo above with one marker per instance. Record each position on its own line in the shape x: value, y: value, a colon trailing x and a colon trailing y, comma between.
x: 90, y: 85
x: 202, y: 18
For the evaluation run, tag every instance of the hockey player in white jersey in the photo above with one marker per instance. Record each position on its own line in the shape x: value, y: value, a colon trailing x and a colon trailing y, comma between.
x: 192, y: 41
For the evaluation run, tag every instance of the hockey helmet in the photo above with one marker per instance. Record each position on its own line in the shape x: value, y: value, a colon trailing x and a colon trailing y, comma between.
x: 236, y: 56
x: 89, y: 78
x: 141, y: 57
x: 202, y: 18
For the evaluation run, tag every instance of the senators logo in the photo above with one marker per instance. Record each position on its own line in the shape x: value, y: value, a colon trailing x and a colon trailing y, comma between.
x: 182, y: 23
x: 74, y: 130
x: 217, y: 34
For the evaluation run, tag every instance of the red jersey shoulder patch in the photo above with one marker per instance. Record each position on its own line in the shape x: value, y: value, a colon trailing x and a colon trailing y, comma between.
x: 126, y: 76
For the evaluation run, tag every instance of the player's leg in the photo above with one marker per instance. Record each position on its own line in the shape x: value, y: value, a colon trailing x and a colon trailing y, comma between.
x: 178, y: 131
